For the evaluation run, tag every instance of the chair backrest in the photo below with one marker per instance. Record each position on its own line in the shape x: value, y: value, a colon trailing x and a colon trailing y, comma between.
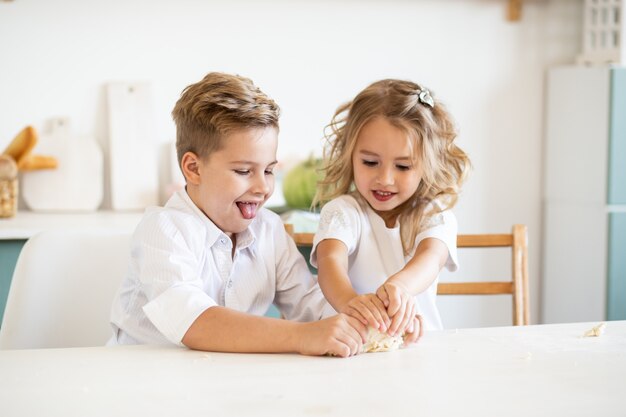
x: 62, y: 290
x: 517, y: 286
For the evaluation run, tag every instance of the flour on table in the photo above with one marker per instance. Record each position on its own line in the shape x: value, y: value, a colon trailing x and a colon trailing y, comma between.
x: 380, y: 342
x: 595, y: 331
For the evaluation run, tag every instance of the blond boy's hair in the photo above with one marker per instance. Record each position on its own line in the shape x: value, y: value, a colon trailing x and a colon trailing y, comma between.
x: 444, y: 166
x: 219, y: 104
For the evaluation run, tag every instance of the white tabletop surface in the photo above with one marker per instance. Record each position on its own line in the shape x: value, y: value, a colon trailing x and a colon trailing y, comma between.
x: 548, y: 370
x: 26, y: 224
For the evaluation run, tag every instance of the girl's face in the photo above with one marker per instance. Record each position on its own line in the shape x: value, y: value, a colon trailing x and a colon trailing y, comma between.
x: 386, y: 173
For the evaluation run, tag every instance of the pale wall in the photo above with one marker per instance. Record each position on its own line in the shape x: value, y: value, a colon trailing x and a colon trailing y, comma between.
x: 310, y: 56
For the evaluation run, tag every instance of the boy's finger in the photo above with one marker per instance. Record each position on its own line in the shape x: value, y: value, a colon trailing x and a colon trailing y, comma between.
x: 346, y: 341
x: 351, y: 341
x: 338, y: 348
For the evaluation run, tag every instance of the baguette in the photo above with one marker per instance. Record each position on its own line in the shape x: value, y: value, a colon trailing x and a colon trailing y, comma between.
x: 35, y: 162
x: 21, y: 146
x: 8, y: 168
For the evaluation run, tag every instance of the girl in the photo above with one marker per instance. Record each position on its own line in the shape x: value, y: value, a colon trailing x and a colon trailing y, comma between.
x: 392, y: 172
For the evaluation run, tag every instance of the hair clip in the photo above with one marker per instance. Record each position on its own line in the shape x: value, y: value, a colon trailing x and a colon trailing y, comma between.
x: 426, y: 98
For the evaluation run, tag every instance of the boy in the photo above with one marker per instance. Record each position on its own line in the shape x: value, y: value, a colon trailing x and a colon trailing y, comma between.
x: 206, y: 267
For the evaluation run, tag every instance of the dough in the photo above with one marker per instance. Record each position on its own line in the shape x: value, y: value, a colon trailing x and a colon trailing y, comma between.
x: 595, y: 331
x: 381, y: 342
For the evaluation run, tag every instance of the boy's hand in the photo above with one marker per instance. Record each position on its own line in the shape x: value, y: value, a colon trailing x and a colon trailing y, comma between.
x: 414, y: 331
x: 369, y: 310
x: 340, y: 335
x: 400, y: 306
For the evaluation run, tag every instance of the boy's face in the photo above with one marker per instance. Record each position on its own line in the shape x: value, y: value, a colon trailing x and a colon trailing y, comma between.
x: 232, y: 184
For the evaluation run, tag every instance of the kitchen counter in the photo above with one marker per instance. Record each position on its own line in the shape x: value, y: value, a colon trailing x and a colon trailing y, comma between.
x: 26, y: 224
x: 15, y: 231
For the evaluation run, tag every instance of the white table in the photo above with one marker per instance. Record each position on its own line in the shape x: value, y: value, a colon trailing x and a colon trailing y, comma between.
x: 533, y: 371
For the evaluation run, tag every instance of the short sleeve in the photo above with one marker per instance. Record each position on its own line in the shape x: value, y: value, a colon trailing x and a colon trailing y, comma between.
x: 174, y: 311
x: 443, y: 226
x: 339, y: 219
x: 168, y: 269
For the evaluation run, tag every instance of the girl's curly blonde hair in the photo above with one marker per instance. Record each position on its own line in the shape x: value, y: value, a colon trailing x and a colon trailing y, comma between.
x: 444, y: 165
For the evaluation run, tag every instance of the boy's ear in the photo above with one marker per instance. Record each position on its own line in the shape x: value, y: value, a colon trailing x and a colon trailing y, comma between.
x: 190, y: 167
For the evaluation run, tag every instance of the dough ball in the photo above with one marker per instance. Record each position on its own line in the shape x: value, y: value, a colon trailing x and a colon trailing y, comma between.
x: 381, y: 342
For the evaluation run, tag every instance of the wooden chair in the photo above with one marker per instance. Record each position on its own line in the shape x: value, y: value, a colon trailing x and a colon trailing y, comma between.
x: 517, y: 286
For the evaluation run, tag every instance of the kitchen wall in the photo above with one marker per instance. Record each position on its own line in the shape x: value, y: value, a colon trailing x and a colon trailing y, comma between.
x: 57, y: 56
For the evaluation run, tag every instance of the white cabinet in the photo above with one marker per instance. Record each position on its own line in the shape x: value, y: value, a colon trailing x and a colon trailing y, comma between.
x: 584, y: 246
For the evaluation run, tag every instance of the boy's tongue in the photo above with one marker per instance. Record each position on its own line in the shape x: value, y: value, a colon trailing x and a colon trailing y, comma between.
x: 248, y: 210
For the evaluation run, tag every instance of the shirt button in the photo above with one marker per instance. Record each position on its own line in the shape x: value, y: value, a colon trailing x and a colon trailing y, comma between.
x: 223, y: 241
x: 230, y: 284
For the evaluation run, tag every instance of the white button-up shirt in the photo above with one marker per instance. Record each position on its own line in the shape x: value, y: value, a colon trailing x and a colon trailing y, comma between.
x: 375, y: 251
x: 182, y: 264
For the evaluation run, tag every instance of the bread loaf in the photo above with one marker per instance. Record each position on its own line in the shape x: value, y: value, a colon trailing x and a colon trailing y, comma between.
x: 20, y: 147
x: 8, y: 186
x: 35, y: 162
x: 8, y: 168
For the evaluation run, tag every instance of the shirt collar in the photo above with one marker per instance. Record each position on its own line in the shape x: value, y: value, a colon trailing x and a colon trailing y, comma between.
x: 245, y: 239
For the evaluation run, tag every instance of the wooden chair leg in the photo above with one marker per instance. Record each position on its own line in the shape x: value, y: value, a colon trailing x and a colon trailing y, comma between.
x: 521, y: 307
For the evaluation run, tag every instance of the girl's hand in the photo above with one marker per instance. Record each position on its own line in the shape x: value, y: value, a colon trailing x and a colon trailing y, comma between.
x: 415, y: 330
x: 369, y: 310
x: 400, y: 306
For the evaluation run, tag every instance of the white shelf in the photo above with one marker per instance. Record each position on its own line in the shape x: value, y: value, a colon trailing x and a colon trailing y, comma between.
x: 26, y: 224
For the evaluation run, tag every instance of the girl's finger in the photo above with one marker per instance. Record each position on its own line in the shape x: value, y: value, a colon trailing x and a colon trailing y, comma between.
x: 381, y: 292
x: 410, y: 337
x: 416, y: 332
x: 383, y: 311
x: 421, y: 325
x: 361, y: 329
x: 380, y: 321
x: 395, y: 302
x: 367, y: 313
x: 397, y: 320
x: 409, y: 316
x: 353, y: 312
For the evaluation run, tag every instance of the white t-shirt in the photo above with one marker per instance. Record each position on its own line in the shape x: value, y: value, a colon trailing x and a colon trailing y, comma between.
x: 181, y: 264
x: 375, y: 251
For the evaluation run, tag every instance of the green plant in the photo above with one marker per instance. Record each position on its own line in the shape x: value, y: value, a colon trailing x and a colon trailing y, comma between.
x: 300, y: 183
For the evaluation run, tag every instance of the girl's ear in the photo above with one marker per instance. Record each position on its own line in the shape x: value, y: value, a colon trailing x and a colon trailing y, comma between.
x: 190, y: 167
